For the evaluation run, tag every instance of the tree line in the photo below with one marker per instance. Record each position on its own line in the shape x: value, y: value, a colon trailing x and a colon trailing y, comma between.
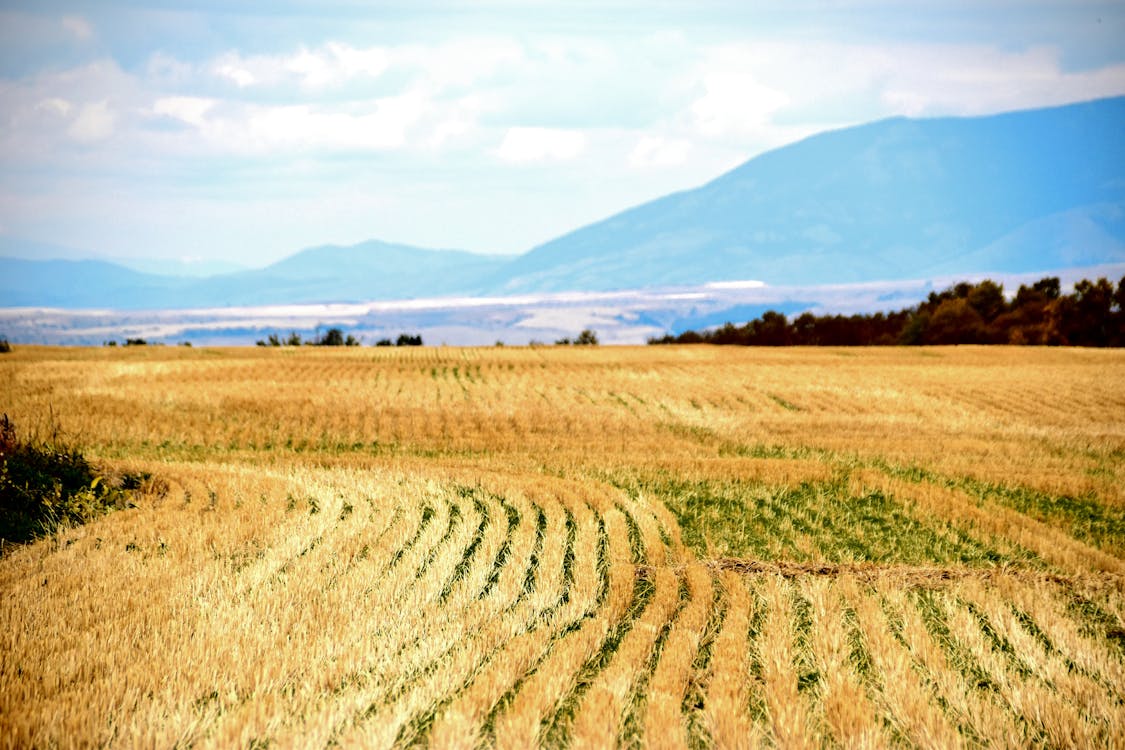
x: 1040, y: 314
x: 336, y: 337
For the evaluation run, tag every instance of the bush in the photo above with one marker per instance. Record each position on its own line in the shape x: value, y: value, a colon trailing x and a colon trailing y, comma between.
x: 5, y: 347
x: 332, y: 337
x: 45, y: 484
x: 586, y: 338
x: 406, y: 339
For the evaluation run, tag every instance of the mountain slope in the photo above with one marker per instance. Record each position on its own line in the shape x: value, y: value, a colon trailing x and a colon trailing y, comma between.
x: 900, y: 198
x: 1023, y: 192
x: 370, y: 270
x: 82, y: 283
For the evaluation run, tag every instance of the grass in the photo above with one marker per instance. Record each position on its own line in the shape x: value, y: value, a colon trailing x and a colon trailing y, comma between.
x: 814, y: 522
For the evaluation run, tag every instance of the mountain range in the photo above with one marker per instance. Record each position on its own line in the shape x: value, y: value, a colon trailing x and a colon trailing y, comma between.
x: 1030, y: 191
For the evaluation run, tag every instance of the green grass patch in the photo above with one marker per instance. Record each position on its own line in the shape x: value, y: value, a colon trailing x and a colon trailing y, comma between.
x: 816, y: 521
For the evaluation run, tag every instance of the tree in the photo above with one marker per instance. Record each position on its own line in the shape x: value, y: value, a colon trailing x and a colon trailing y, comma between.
x: 955, y: 322
x: 587, y: 338
x: 332, y: 337
x: 1084, y: 318
x: 987, y: 298
x: 772, y: 329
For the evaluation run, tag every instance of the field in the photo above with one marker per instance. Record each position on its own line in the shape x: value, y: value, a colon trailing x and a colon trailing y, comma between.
x: 512, y: 547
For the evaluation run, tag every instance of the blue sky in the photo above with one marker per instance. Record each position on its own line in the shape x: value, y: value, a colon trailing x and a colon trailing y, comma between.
x: 245, y: 131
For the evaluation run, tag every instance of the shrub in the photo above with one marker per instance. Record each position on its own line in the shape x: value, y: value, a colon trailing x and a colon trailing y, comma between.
x: 332, y: 337
x: 45, y: 484
x: 586, y: 338
x: 5, y: 347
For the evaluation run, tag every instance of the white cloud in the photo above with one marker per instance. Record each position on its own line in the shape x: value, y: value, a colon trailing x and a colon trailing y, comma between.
x: 255, y: 129
x: 95, y: 122
x: 523, y: 145
x: 79, y: 27
x: 189, y: 109
x: 655, y: 151
x: 165, y: 70
x: 332, y: 65
x: 460, y: 63
x: 973, y: 80
x: 238, y: 74
x: 55, y: 106
x: 354, y: 62
x: 735, y: 102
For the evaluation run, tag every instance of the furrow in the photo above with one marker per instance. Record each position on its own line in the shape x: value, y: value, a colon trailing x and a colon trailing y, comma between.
x: 906, y: 702
x: 848, y: 714
x: 788, y: 711
x: 527, y: 716
x: 979, y: 717
x: 664, y: 722
x: 726, y: 707
x: 1046, y: 714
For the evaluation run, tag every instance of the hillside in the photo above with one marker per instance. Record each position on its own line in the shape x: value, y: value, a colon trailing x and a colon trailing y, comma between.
x: 1024, y: 192
x: 902, y: 198
x: 370, y: 270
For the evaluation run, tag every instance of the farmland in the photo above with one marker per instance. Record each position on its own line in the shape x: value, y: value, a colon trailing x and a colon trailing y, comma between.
x: 571, y: 546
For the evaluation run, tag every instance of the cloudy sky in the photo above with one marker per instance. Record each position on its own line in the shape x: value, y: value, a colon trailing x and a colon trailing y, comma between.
x: 245, y: 130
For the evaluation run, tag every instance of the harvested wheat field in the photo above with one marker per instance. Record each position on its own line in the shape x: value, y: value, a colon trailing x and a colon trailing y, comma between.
x: 576, y: 547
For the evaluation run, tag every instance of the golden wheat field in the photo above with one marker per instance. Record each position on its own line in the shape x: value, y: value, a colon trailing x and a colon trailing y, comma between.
x: 680, y: 547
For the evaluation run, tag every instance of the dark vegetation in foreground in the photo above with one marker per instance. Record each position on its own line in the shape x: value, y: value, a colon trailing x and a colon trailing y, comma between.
x: 1092, y: 315
x: 45, y: 484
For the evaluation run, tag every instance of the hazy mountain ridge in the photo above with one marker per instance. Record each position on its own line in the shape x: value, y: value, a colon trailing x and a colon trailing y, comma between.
x: 1032, y: 191
x: 893, y: 199
x: 330, y: 273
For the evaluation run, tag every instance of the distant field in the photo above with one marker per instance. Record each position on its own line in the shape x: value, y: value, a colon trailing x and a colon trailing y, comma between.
x: 509, y: 547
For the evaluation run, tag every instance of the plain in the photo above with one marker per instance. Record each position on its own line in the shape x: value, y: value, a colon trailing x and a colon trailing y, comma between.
x: 576, y: 546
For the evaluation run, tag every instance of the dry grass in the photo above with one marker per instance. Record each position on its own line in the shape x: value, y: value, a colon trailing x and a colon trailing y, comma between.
x: 668, y: 547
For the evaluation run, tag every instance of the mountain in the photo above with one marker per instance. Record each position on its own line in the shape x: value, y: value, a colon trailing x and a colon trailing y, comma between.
x: 1022, y: 192
x: 370, y: 270
x: 82, y: 283
x: 381, y: 270
x: 902, y: 198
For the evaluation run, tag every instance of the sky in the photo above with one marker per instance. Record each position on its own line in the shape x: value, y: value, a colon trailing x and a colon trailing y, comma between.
x: 244, y: 131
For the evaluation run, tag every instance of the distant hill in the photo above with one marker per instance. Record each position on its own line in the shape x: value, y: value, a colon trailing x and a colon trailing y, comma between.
x: 1023, y: 192
x: 370, y: 270
x: 83, y: 283
x: 1026, y: 191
